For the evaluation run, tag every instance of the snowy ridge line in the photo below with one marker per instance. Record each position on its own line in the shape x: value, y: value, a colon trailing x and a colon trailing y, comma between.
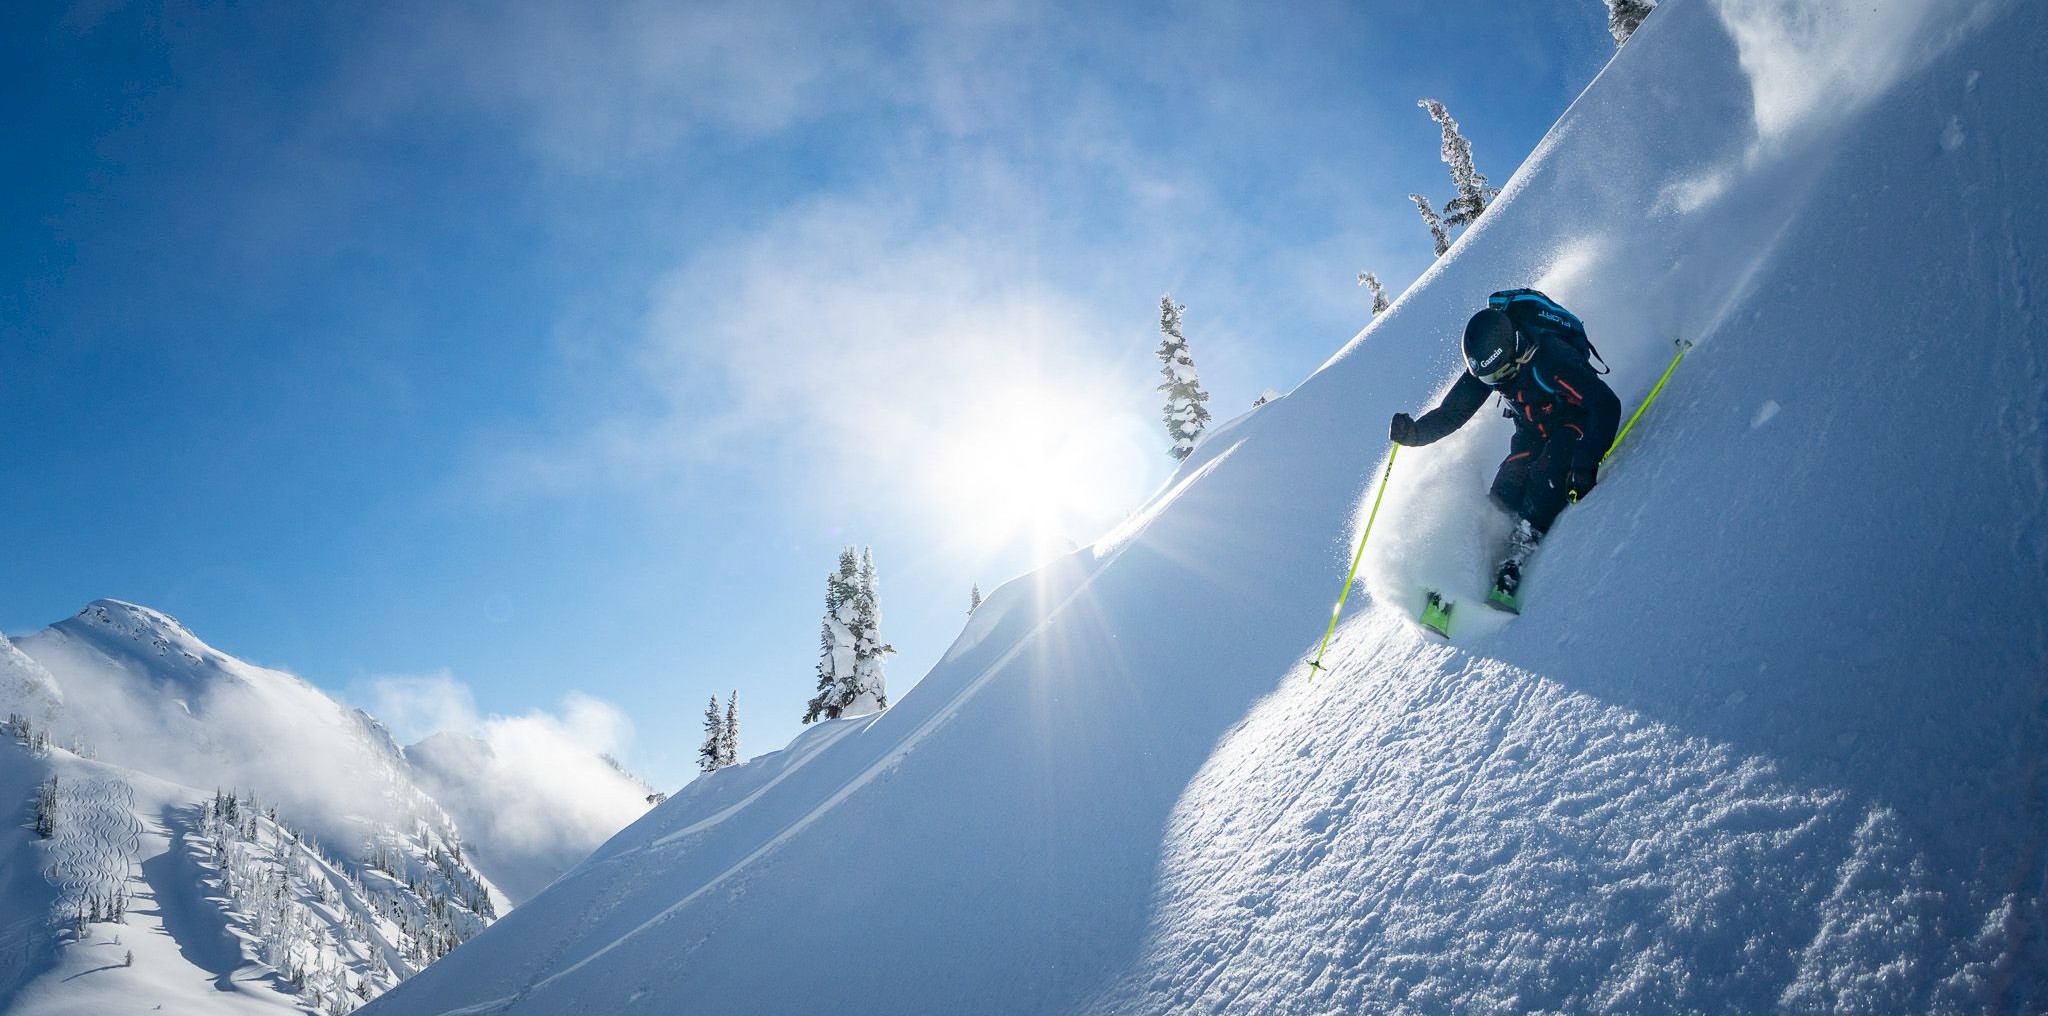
x: 733, y: 809
x: 866, y: 776
x: 1120, y: 535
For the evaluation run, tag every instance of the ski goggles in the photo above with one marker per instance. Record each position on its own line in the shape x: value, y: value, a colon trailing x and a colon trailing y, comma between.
x: 1509, y: 367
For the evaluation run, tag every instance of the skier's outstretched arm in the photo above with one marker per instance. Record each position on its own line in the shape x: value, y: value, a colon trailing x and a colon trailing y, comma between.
x: 1463, y: 400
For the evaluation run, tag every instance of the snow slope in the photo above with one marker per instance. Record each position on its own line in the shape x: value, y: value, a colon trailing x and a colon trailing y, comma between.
x: 26, y: 688
x: 239, y: 916
x: 119, y: 832
x: 1769, y: 736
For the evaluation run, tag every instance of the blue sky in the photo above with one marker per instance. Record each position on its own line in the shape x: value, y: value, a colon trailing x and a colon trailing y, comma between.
x: 535, y: 349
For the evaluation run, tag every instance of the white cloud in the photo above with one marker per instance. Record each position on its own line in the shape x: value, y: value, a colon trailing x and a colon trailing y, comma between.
x: 413, y: 707
x: 532, y: 791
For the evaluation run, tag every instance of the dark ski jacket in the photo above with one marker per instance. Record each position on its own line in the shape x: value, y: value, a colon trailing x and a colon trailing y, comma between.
x: 1555, y: 395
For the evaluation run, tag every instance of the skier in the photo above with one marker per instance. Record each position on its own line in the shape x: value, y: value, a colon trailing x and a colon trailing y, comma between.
x: 1536, y: 356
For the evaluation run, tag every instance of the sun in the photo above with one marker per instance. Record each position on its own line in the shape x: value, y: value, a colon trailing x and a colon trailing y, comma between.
x: 1038, y: 465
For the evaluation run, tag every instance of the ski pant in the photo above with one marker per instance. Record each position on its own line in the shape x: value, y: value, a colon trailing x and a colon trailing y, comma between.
x: 1531, y: 483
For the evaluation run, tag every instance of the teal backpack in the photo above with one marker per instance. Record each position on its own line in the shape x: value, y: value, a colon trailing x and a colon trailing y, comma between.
x: 1537, y: 314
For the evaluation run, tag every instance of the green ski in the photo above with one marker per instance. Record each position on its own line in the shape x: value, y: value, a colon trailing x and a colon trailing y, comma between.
x: 1501, y: 599
x: 1436, y: 614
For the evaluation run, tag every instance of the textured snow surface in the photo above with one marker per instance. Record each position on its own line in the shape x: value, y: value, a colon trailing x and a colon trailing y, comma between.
x: 1769, y: 736
x: 117, y: 829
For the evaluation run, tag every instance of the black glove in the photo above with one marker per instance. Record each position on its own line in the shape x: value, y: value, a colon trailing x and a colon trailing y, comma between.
x: 1403, y: 429
x: 1581, y: 479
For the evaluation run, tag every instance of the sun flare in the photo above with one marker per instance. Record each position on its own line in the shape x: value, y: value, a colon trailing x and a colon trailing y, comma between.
x: 1041, y: 466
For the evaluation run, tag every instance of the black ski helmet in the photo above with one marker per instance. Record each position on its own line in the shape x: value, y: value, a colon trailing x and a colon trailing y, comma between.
x: 1494, y: 350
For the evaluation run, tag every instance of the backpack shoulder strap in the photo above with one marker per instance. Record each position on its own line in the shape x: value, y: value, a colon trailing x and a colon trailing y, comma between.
x: 1593, y: 353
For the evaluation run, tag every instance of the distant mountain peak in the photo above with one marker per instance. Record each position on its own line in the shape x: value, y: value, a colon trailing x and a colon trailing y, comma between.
x: 133, y: 618
x: 153, y: 631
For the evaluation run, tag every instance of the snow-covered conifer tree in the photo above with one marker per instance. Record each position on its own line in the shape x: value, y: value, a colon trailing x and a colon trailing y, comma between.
x: 835, y: 639
x: 1186, y: 416
x: 974, y: 598
x: 1379, y: 292
x: 729, y: 734
x: 871, y: 687
x: 850, y: 649
x: 1625, y: 16
x: 1435, y: 223
x: 46, y: 810
x: 1473, y: 193
x: 710, y: 755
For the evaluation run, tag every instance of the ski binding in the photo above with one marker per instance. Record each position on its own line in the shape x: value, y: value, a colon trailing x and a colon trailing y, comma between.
x: 1501, y: 599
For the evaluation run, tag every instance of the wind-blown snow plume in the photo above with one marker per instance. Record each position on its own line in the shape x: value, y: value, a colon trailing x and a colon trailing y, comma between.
x: 26, y: 688
x: 166, y: 703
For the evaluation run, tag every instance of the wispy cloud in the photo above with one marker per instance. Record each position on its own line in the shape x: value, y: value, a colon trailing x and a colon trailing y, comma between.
x: 872, y: 356
x: 597, y: 87
x: 977, y: 273
x: 591, y: 86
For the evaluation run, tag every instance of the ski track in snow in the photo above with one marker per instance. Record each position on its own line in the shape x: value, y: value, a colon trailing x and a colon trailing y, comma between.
x: 94, y: 846
x: 861, y: 779
x: 795, y: 765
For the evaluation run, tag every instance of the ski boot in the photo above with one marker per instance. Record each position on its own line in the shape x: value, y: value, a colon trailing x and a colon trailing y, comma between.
x: 1436, y: 614
x: 1507, y: 581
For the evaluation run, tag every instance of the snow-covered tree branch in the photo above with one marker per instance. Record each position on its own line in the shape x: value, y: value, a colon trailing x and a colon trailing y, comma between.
x: 1379, y: 292
x: 1625, y: 16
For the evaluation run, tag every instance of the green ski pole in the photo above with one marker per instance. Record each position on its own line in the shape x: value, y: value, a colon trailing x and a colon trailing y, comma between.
x: 1317, y: 663
x: 1684, y: 347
